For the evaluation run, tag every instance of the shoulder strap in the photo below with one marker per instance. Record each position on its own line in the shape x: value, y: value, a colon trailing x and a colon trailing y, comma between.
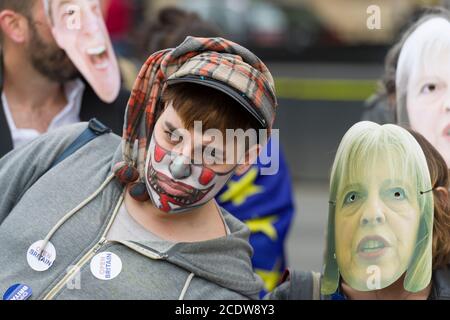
x: 95, y: 129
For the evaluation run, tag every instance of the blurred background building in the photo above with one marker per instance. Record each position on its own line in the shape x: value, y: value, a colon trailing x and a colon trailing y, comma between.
x: 326, y: 63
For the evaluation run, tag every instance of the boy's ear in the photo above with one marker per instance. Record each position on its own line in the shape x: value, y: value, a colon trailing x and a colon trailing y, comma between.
x: 250, y: 158
x: 14, y: 26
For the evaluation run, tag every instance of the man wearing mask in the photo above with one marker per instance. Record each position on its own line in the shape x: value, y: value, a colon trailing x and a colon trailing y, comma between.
x: 42, y: 57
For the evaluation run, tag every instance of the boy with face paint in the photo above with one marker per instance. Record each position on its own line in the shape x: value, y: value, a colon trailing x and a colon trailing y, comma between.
x: 263, y: 202
x: 175, y: 183
x: 144, y: 204
x: 40, y: 80
x: 380, y: 223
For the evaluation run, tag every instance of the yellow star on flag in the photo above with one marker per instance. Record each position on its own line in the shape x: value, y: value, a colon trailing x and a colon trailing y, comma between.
x: 264, y: 225
x: 270, y: 278
x: 239, y: 191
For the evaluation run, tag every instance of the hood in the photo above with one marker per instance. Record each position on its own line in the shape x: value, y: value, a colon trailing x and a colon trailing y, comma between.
x: 225, y: 261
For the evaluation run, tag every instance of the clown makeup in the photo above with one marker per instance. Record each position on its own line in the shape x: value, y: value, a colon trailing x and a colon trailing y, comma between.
x: 80, y: 30
x: 377, y: 220
x: 174, y: 182
x: 424, y: 65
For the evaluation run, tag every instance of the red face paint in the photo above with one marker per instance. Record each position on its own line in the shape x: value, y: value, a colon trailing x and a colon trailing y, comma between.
x: 159, y: 153
x: 173, y: 196
x: 206, y: 176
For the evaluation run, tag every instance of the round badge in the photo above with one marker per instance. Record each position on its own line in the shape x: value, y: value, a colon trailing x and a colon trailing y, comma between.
x: 106, y: 266
x: 40, y: 260
x: 18, y: 292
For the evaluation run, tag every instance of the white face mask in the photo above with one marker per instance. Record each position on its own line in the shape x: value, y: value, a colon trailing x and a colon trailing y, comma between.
x: 380, y: 219
x: 79, y: 29
x: 175, y: 185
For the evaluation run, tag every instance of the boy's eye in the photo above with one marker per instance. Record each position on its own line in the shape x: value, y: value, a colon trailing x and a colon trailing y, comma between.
x: 173, y: 136
x: 211, y: 154
x: 351, y: 197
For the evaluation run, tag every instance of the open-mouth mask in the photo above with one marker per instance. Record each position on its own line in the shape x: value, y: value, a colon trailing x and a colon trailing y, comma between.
x: 175, y: 185
x: 79, y: 29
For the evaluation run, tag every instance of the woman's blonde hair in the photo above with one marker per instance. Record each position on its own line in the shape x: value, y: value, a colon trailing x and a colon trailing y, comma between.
x: 364, y: 145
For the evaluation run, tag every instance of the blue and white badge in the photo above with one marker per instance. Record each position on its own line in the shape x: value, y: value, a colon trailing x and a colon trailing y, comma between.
x: 41, y: 259
x: 18, y: 292
x: 106, y: 266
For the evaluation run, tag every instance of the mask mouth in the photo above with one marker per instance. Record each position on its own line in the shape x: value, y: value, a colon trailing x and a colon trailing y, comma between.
x: 180, y: 193
x: 98, y: 56
x: 372, y: 247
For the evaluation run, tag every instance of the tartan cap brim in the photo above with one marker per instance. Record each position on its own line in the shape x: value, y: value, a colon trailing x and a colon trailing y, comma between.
x: 228, y: 90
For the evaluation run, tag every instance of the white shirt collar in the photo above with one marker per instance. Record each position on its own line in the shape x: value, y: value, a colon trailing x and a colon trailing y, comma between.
x: 68, y: 115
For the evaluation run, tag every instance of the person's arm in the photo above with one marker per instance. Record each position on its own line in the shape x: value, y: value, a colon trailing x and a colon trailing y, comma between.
x: 279, y: 293
x: 22, y: 167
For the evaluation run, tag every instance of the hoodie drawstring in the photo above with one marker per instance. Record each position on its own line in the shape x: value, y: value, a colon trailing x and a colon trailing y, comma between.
x: 186, y: 286
x: 74, y: 211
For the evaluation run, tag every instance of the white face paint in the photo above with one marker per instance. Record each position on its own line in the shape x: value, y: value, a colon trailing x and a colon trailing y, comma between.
x: 79, y: 28
x: 175, y: 185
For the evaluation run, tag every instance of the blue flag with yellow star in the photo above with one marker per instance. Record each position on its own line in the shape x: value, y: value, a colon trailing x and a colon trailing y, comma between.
x: 265, y: 204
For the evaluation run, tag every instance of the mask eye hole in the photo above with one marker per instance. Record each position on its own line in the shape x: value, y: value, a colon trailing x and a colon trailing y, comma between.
x: 351, y: 198
x: 397, y: 194
x: 428, y: 88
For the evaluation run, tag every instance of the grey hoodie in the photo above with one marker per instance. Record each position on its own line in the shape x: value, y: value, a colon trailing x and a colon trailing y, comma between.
x: 33, y: 201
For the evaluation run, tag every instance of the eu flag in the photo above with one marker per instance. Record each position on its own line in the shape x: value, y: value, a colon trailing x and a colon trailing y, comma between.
x: 265, y: 204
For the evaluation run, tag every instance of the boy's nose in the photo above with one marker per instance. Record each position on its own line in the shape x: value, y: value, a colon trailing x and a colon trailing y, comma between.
x: 180, y: 168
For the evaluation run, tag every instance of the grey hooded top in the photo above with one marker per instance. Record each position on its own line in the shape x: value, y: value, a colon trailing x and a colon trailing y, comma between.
x: 34, y: 201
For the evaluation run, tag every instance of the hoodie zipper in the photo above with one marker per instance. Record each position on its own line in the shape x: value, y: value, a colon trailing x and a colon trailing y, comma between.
x: 147, y: 252
x: 86, y: 257
x: 76, y: 268
x: 152, y: 254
